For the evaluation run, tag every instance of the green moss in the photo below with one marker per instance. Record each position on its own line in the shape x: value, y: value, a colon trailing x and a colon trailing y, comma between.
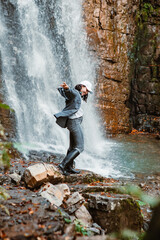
x: 132, y: 203
x: 142, y: 37
x: 146, y: 11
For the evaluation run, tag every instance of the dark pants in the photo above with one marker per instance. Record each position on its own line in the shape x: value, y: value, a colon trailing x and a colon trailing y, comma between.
x: 76, y: 134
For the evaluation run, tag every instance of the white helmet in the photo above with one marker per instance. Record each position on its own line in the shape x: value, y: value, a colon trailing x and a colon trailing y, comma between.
x: 88, y: 85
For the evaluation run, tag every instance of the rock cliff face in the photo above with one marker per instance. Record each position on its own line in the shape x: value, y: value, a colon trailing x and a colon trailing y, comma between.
x: 124, y: 34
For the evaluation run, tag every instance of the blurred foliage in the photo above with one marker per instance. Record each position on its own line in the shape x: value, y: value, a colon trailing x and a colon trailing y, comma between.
x: 127, y: 234
x: 5, y: 155
x: 136, y: 191
x: 3, y: 194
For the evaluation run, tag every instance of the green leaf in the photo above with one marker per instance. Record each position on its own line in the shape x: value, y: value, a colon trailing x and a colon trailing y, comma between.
x: 67, y: 220
x: 141, y: 203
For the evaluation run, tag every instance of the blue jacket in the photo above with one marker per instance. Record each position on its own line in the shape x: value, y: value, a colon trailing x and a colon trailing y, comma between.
x: 73, y: 103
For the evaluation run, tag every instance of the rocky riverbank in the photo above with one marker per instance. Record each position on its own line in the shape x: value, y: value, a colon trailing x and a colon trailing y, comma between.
x: 43, y: 204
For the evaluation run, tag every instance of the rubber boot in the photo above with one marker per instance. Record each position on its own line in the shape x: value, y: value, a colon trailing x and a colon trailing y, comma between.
x: 67, y: 160
x: 70, y: 168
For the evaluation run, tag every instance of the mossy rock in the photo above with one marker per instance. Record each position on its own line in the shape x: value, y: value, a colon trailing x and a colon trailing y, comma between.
x: 115, y: 213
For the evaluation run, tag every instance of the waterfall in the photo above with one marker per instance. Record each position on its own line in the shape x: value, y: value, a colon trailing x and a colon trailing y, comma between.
x: 48, y: 45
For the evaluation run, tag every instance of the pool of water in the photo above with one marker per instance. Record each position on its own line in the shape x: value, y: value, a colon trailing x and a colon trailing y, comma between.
x: 126, y: 156
x: 138, y: 153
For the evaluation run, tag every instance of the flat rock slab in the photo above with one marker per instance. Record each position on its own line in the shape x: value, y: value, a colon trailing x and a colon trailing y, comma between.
x: 82, y: 188
x: 84, y: 177
x: 40, y: 173
x: 115, y: 213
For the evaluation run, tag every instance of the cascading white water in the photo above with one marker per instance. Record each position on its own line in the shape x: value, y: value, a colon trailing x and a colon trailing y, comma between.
x: 44, y: 58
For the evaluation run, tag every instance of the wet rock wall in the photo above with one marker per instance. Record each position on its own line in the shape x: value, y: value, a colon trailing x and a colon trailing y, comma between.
x: 145, y: 68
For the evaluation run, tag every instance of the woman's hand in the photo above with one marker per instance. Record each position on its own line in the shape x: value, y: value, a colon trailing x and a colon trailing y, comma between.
x: 64, y: 85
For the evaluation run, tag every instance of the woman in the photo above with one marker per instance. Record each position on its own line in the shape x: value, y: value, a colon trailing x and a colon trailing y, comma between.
x: 71, y: 117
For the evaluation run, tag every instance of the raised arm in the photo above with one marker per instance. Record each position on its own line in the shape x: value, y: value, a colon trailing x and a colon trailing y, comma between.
x: 66, y: 91
x: 64, y: 85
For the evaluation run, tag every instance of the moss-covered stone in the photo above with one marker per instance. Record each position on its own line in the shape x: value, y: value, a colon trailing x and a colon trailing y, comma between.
x: 115, y: 214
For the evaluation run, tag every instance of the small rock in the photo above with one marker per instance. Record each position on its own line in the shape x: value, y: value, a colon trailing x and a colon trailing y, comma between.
x: 15, y: 178
x: 95, y: 225
x: 94, y: 230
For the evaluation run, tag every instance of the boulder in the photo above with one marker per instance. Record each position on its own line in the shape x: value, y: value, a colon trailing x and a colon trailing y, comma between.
x: 115, y: 213
x: 83, y: 215
x: 40, y: 173
x: 55, y: 194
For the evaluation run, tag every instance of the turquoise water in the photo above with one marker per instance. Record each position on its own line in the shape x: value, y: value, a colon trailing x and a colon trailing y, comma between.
x: 136, y: 154
x: 124, y: 156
